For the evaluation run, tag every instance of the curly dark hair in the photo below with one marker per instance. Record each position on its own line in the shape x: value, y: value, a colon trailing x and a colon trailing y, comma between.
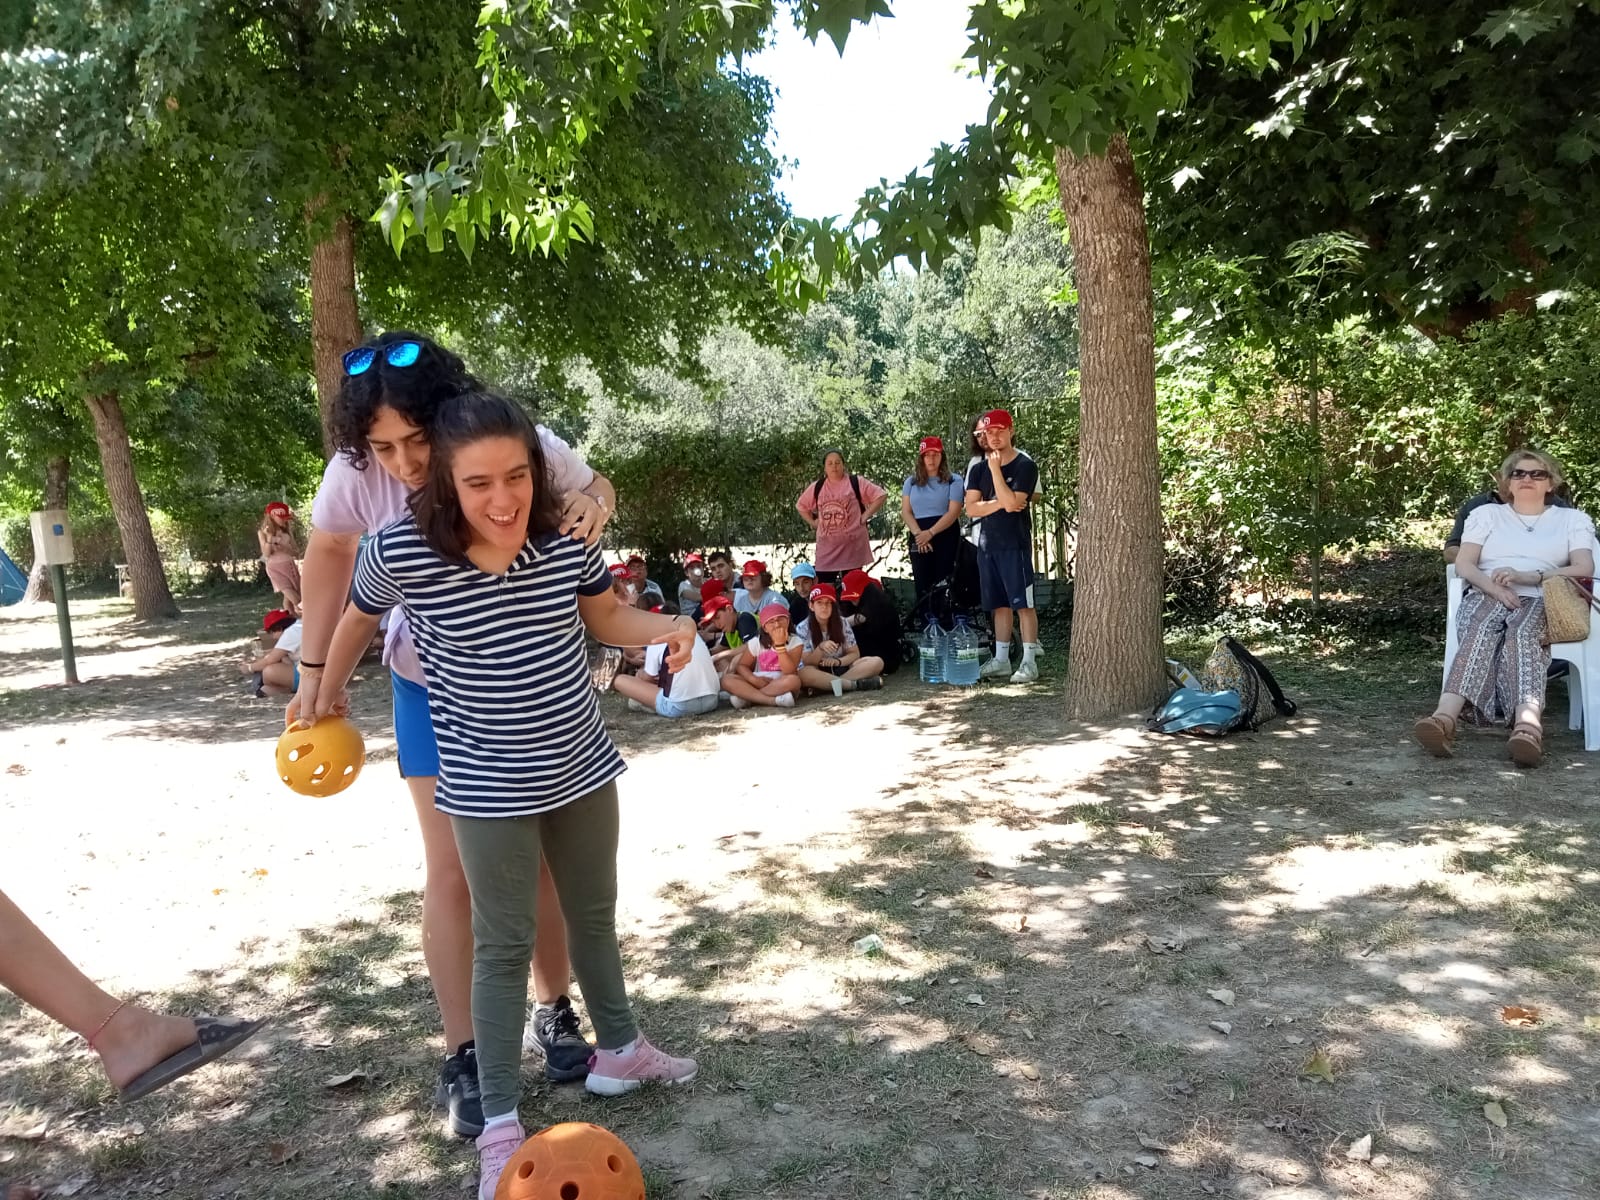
x: 415, y: 392
x: 460, y: 420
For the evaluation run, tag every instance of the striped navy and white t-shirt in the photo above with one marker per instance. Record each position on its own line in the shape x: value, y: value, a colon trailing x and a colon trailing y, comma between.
x: 508, y: 679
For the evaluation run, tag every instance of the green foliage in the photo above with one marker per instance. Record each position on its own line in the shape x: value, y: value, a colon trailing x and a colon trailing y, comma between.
x: 1454, y: 142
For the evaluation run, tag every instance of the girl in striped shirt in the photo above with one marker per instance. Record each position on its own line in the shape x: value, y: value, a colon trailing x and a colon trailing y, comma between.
x: 498, y: 601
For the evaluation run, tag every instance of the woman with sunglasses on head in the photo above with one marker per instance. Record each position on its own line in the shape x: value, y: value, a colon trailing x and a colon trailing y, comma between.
x: 1507, y: 551
x: 393, y: 388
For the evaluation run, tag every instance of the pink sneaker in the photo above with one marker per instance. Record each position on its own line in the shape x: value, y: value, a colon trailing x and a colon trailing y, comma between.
x: 610, y: 1075
x: 495, y: 1149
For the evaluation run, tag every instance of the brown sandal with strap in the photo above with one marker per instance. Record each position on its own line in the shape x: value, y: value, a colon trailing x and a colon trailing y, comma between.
x: 1526, y: 744
x: 1437, y: 734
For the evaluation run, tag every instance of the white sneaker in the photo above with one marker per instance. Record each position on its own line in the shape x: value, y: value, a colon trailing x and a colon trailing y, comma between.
x: 1028, y: 672
x: 738, y: 702
x: 995, y: 668
x: 786, y: 700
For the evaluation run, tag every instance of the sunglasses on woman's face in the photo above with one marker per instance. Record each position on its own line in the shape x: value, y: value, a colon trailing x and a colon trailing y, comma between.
x: 400, y: 354
x: 1529, y: 473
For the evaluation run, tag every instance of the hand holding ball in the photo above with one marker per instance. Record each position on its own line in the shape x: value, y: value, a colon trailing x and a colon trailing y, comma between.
x: 321, y: 759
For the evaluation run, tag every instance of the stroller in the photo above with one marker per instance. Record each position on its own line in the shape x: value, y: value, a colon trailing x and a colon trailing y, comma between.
x: 952, y: 597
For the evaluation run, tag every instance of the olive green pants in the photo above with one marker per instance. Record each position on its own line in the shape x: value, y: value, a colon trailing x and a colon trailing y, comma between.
x: 500, y: 857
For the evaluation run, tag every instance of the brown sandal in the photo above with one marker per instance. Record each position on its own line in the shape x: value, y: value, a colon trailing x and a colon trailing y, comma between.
x: 1526, y: 744
x: 1437, y: 734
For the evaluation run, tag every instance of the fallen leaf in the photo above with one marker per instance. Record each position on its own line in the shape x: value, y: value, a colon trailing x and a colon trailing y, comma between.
x: 1022, y: 923
x: 259, y: 871
x: 16, y: 769
x: 347, y: 1082
x: 1027, y: 1033
x: 1516, y: 1014
x: 1149, y: 1143
x: 1319, y: 1065
x: 1221, y: 996
x: 782, y: 1109
x: 904, y: 1000
x: 976, y: 1000
x: 1293, y: 1039
x: 26, y: 1133
x: 279, y: 1153
x: 1360, y: 1150
x: 1029, y: 1071
x: 1591, y: 1022
x: 1380, y: 1160
x: 919, y: 893
x: 1494, y: 1114
x: 1146, y: 1160
x: 1223, y: 1026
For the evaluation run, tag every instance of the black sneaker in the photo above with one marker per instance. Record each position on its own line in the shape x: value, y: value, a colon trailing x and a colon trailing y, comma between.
x: 459, y: 1092
x: 556, y: 1031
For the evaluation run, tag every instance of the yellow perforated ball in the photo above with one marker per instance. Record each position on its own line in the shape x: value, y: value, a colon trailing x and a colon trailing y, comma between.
x: 321, y: 759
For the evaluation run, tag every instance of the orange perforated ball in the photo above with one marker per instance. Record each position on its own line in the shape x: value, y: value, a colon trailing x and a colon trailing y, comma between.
x: 321, y: 759
x: 574, y: 1161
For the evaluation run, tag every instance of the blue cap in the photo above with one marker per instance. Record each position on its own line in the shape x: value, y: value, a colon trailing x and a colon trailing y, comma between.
x: 802, y: 570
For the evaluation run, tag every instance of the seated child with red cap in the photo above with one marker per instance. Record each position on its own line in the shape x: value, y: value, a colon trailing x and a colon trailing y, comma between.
x: 872, y: 617
x: 694, y: 574
x: 727, y: 628
x: 999, y: 490
x: 276, y: 672
x: 647, y: 592
x: 767, y: 673
x: 832, y: 660
x: 757, y: 592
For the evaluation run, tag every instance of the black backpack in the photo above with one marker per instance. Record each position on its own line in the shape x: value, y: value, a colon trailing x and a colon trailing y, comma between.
x: 816, y: 492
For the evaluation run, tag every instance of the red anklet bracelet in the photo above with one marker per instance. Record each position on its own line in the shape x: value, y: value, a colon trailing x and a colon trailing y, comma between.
x: 91, y: 1038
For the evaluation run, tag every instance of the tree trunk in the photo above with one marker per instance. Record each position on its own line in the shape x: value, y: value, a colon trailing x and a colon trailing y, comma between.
x: 335, y: 320
x: 1116, y: 662
x: 39, y: 590
x: 152, y: 599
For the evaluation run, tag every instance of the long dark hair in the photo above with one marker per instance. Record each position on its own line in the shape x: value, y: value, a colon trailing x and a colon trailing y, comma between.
x: 919, y: 474
x: 834, y: 632
x: 415, y: 392
x: 460, y: 421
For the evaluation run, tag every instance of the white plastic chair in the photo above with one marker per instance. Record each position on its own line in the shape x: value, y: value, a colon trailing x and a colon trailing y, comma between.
x: 1582, y: 659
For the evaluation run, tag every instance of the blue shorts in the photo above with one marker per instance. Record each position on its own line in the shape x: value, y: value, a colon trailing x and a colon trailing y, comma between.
x: 1005, y: 578
x: 666, y: 706
x: 415, y: 746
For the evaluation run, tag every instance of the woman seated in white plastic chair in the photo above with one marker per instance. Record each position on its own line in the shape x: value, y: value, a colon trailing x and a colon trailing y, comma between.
x: 1507, y: 551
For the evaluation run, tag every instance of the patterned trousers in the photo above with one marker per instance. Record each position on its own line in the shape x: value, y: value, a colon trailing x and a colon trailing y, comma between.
x: 1500, y: 664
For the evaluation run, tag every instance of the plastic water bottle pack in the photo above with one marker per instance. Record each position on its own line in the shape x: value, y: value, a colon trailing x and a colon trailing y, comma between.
x: 962, y: 668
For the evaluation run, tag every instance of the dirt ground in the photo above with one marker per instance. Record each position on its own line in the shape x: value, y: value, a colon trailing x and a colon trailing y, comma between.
x: 1112, y: 965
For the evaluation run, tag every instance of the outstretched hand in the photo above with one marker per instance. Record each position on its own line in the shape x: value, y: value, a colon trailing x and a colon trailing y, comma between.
x: 679, y: 641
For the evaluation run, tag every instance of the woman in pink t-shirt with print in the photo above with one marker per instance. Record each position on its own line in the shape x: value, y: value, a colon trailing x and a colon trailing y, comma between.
x: 838, y: 507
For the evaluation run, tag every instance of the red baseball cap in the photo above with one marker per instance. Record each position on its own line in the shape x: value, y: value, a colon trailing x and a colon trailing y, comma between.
x: 710, y: 588
x: 930, y: 443
x: 855, y: 583
x: 618, y: 571
x: 754, y: 567
x: 278, y: 509
x: 772, y: 612
x: 713, y: 606
x: 823, y: 591
x: 277, y: 618
x: 635, y: 558
x: 690, y: 560
x: 995, y: 418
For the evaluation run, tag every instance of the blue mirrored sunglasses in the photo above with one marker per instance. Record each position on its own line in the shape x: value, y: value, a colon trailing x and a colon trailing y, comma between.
x: 400, y: 354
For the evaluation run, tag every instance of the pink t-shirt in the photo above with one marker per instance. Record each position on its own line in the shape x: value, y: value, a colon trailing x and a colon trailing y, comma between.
x: 842, y: 543
x: 352, y: 501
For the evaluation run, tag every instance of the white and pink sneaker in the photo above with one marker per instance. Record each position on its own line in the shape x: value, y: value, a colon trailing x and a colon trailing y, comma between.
x: 613, y: 1074
x: 495, y: 1148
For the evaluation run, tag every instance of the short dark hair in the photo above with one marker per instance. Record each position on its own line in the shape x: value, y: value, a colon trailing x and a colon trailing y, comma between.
x: 415, y: 392
x: 461, y: 420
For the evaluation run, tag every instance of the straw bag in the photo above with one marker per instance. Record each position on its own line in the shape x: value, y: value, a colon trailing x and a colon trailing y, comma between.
x: 1566, y: 609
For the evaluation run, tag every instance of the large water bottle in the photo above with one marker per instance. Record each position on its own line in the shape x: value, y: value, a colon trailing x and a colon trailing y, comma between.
x: 931, y: 652
x: 963, y: 668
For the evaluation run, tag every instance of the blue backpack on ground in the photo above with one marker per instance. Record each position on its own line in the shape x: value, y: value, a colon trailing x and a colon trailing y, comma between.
x: 1203, y: 714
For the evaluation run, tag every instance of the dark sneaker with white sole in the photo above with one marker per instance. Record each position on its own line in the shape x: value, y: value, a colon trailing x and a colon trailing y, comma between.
x: 459, y: 1093
x: 555, y: 1029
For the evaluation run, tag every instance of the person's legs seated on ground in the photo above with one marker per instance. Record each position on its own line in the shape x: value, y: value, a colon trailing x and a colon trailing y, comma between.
x: 140, y: 1050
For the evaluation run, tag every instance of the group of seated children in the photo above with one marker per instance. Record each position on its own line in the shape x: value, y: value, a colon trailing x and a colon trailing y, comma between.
x: 759, y: 647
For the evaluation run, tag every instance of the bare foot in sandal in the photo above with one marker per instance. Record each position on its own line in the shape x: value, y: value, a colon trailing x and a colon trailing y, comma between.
x: 1526, y: 744
x: 1437, y: 734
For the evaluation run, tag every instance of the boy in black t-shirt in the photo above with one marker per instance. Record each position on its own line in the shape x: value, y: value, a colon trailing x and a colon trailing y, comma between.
x: 999, y: 490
